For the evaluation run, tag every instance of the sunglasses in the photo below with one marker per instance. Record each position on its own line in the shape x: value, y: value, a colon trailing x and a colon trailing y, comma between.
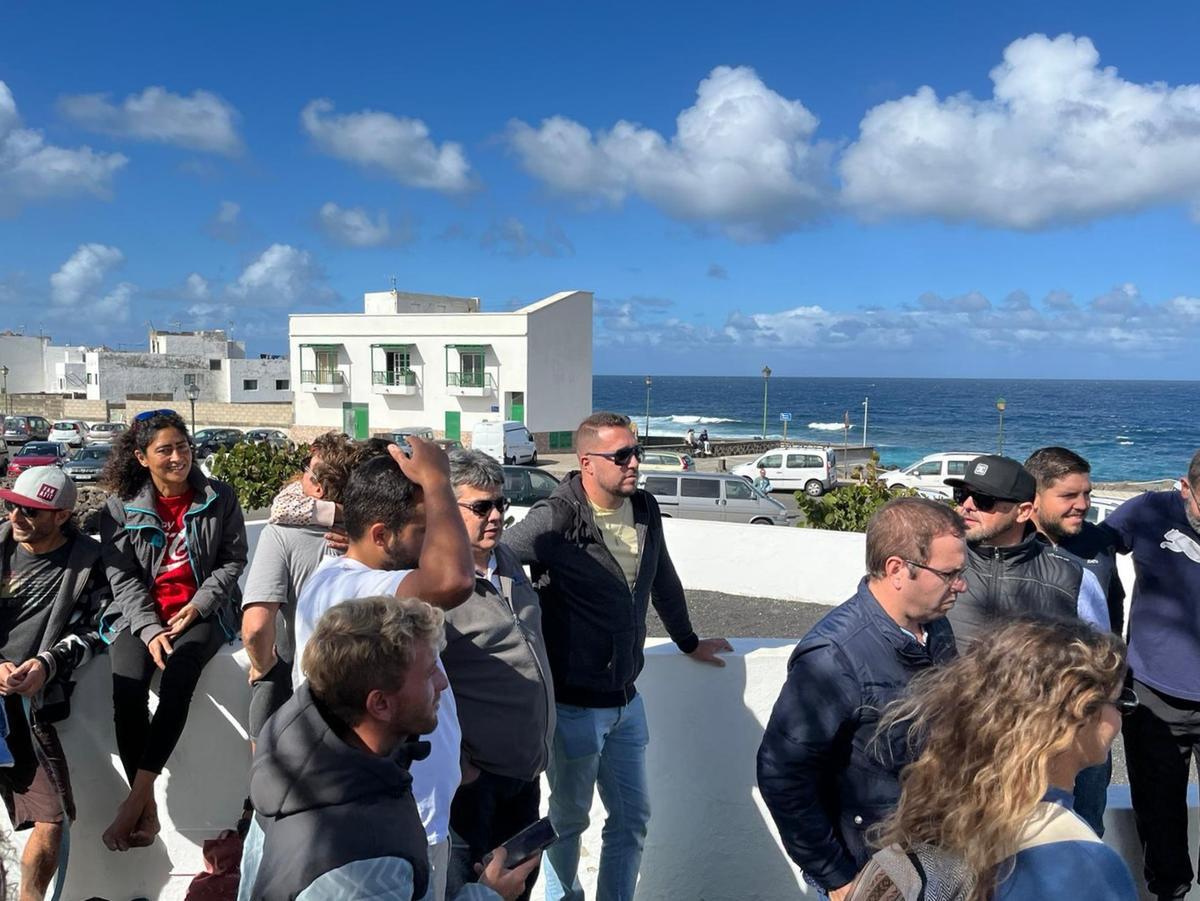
x: 948, y: 576
x: 621, y: 457
x: 984, y: 503
x: 1127, y: 702
x: 482, y: 508
x: 27, y: 512
x: 150, y: 414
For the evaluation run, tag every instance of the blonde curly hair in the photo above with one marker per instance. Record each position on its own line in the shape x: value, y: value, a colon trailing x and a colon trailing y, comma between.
x: 986, y: 727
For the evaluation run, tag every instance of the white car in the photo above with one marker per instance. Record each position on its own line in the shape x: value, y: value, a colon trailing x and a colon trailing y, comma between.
x: 929, y: 474
x: 69, y: 431
x: 807, y: 467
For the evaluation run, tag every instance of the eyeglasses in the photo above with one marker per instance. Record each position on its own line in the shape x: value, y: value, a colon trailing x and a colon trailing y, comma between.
x: 150, y: 414
x: 984, y: 503
x: 621, y: 457
x: 948, y: 576
x: 1127, y: 701
x: 27, y: 512
x: 482, y: 508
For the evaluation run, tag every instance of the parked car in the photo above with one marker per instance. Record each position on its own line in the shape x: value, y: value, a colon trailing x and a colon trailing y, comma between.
x: 930, y: 473
x: 21, y: 428
x: 524, y: 486
x: 716, y: 496
x: 69, y: 431
x: 207, y: 442
x: 507, y: 441
x: 1103, y: 506
x: 666, y: 461
x: 3, y: 453
x: 448, y: 444
x: 807, y: 467
x: 38, y: 453
x: 88, y: 462
x: 101, y: 432
x: 274, y: 437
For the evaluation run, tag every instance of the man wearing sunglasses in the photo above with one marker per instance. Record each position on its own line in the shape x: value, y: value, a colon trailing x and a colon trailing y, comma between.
x: 1161, y: 531
x: 597, y: 554
x: 495, y: 658
x: 1010, y: 572
x: 52, y: 588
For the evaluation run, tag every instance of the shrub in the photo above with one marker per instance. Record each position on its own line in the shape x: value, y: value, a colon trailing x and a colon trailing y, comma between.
x: 850, y: 507
x: 256, y: 472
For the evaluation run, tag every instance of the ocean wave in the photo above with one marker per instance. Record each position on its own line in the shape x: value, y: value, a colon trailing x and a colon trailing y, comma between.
x: 1122, y: 437
x: 1125, y: 442
x: 827, y: 426
x: 698, y: 420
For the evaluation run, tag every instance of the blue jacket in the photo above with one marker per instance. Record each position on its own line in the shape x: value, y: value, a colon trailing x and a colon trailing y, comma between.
x: 822, y: 774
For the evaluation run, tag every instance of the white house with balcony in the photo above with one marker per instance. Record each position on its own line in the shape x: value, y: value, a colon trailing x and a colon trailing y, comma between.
x: 441, y: 362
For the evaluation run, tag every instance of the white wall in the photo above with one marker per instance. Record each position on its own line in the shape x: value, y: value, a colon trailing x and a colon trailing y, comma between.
x: 560, y: 363
x: 25, y: 357
x: 266, y: 372
x: 117, y: 374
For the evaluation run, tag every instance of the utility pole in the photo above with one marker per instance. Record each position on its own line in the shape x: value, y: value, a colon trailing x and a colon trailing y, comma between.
x: 866, y: 410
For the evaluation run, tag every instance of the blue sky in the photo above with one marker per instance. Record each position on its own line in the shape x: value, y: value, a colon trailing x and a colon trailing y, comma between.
x: 841, y: 189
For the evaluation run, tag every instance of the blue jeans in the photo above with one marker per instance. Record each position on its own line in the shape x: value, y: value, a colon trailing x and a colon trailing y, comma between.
x: 602, y: 747
x: 1091, y: 794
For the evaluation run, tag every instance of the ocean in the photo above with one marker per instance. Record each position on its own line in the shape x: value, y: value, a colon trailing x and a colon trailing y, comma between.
x: 1127, y: 430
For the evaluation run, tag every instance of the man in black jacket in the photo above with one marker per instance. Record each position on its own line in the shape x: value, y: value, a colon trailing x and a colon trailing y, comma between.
x: 823, y: 773
x: 1010, y: 571
x: 598, y: 559
x: 52, y: 588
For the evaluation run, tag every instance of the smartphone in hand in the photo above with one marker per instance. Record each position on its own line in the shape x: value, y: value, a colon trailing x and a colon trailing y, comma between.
x: 526, y: 843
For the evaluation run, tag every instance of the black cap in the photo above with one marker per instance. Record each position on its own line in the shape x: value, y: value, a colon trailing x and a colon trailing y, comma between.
x: 1001, y: 477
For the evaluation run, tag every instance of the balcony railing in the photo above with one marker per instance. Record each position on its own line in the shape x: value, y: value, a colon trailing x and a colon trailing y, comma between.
x: 395, y: 378
x: 470, y: 380
x: 321, y: 376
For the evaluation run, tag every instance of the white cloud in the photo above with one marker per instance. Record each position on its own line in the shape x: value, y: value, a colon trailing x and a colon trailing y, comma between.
x: 512, y: 238
x: 354, y: 227
x: 396, y: 146
x: 1060, y: 140
x: 202, y: 121
x: 83, y: 273
x: 742, y: 157
x: 32, y: 170
x: 114, y: 306
x: 225, y: 224
x: 195, y: 287
x: 282, y: 276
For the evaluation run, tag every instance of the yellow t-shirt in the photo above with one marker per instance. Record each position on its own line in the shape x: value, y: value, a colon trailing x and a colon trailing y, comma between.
x: 620, y: 537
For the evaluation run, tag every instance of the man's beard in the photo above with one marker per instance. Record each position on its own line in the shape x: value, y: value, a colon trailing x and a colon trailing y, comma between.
x: 1193, y: 520
x: 1055, y: 532
x: 398, y: 556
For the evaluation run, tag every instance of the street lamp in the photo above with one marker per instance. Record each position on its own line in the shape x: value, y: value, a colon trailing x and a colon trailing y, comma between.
x: 766, y: 372
x: 4, y: 386
x: 646, y: 432
x: 1000, y: 405
x: 193, y: 393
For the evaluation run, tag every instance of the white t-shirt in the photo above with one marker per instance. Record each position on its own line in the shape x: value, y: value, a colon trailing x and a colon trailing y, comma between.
x: 436, y: 778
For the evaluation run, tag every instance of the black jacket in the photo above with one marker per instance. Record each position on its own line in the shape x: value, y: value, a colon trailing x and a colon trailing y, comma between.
x: 322, y: 803
x: 593, y: 624
x: 823, y: 775
x: 1024, y: 579
x: 1096, y: 549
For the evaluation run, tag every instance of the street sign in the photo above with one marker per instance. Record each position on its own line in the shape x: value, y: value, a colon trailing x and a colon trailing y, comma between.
x: 785, y: 417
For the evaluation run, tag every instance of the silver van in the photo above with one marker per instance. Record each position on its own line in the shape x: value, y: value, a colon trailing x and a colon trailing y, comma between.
x: 715, y: 496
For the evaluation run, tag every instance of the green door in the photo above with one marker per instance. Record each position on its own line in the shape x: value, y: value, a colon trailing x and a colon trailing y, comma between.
x: 516, y: 406
x: 355, y: 421
x: 453, y: 425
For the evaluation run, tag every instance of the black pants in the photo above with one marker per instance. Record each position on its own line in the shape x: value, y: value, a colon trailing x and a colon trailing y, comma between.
x: 485, y: 814
x: 268, y: 694
x: 142, y: 742
x: 1161, y: 738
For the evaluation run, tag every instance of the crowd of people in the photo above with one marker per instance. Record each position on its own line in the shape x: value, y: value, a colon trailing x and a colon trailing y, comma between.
x: 416, y: 667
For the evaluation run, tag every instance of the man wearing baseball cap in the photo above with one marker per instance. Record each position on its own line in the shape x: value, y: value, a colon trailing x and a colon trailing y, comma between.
x: 1011, y: 573
x: 52, y: 588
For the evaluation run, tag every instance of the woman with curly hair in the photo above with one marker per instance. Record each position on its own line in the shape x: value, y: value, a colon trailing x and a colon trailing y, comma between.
x: 174, y: 547
x: 985, y: 810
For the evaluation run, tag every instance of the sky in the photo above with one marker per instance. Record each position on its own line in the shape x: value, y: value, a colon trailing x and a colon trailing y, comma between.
x: 844, y: 189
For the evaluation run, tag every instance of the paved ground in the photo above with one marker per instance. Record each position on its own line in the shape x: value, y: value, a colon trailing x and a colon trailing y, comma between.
x: 725, y: 615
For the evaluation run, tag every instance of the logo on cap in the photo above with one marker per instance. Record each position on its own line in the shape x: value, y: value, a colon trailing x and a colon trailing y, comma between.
x: 981, y: 469
x: 47, y: 493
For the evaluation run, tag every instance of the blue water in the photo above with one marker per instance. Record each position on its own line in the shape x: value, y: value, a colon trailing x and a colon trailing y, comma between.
x: 1127, y: 430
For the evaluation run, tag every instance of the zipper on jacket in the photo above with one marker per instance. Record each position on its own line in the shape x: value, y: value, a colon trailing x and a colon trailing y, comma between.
x: 537, y: 664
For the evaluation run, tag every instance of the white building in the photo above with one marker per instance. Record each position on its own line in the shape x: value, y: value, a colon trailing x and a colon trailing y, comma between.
x: 429, y: 360
x: 30, y: 363
x: 207, y: 359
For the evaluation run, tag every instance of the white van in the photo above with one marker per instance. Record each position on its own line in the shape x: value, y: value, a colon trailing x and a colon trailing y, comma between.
x: 508, y: 441
x: 807, y: 467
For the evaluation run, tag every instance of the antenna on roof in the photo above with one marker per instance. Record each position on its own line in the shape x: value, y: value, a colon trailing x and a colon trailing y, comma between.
x: 393, y: 279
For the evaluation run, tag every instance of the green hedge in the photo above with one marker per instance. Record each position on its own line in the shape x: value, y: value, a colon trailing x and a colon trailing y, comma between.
x: 257, y: 471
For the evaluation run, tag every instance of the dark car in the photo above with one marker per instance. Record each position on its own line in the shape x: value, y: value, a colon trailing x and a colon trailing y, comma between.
x: 38, y: 453
x: 208, y: 441
x: 21, y: 428
x: 274, y: 437
x: 526, y: 485
x: 448, y: 444
x: 88, y: 462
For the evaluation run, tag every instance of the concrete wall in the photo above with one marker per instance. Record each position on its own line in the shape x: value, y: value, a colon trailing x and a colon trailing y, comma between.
x: 560, y: 363
x: 26, y: 359
x: 211, y: 344
x: 266, y: 372
x: 390, y: 303
x: 277, y: 416
x: 55, y: 406
x: 114, y: 375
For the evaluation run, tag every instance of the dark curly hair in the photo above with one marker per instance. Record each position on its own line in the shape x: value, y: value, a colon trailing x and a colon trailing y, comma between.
x: 123, y: 474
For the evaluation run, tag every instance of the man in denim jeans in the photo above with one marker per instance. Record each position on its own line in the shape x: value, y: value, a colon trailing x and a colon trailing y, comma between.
x: 598, y: 559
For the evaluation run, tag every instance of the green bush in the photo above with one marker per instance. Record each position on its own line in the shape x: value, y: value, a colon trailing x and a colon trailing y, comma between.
x: 850, y: 507
x: 257, y: 471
